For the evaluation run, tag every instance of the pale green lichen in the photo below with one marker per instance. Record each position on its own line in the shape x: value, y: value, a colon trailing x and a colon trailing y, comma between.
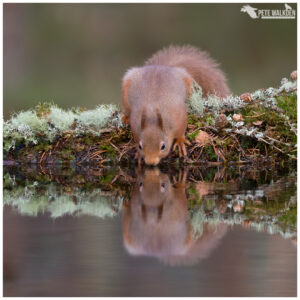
x: 197, y: 219
x: 62, y: 206
x: 28, y: 202
x: 287, y: 85
x: 92, y: 121
x: 259, y: 94
x: 267, y: 223
x: 32, y: 126
x: 195, y: 104
x: 24, y: 125
x: 61, y: 119
x: 198, y: 104
x: 239, y: 128
x: 214, y: 102
x: 30, y: 120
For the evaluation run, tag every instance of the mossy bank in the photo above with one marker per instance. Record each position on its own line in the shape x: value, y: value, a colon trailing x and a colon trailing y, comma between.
x: 258, y: 127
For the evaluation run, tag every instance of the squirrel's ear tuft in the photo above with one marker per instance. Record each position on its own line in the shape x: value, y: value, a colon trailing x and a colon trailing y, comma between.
x: 188, y: 82
x: 143, y: 120
x: 159, y: 120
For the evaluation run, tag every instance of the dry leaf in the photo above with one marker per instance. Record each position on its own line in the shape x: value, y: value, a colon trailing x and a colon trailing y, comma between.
x: 221, y: 121
x: 237, y: 208
x: 257, y: 123
x: 294, y: 75
x: 202, y: 137
x: 237, y: 117
x: 246, y: 97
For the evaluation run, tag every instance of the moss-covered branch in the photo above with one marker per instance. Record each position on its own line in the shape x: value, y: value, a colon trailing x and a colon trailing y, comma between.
x: 259, y: 127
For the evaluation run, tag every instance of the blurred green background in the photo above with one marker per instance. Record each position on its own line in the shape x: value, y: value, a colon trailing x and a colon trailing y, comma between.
x: 76, y: 54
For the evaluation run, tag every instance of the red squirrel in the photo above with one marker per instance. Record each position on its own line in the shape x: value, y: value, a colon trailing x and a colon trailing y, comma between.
x: 154, y: 95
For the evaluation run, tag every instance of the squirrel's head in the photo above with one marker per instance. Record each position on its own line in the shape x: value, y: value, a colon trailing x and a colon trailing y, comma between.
x: 154, y: 144
x: 153, y: 147
x: 153, y: 187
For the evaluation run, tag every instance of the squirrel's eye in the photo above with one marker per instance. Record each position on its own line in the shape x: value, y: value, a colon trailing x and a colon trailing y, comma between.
x: 140, y: 146
x: 162, y: 147
x: 163, y: 185
x: 140, y: 184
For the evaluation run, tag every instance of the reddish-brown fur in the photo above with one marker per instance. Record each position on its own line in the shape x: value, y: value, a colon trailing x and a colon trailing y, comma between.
x: 153, y: 98
x: 203, y: 69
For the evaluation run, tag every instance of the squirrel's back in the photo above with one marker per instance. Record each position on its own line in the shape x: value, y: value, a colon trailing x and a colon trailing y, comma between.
x: 198, y: 64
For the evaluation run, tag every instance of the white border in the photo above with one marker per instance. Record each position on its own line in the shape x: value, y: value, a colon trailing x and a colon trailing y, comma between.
x: 74, y: 1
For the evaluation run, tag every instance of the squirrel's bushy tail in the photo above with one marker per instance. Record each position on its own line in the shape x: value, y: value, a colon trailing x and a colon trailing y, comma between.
x: 204, y: 70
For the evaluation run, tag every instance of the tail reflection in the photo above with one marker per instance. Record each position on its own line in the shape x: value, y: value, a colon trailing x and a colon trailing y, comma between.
x: 156, y: 222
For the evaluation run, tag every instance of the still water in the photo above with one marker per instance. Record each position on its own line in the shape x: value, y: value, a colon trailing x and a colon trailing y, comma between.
x: 150, y: 233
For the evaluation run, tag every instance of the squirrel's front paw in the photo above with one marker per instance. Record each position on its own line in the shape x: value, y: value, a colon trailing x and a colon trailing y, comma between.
x: 180, y: 143
x: 181, y: 181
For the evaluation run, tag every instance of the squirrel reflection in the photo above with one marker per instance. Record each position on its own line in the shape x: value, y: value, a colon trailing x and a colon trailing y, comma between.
x: 156, y: 222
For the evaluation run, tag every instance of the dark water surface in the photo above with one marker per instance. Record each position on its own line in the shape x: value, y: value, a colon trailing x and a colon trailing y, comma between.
x: 145, y: 247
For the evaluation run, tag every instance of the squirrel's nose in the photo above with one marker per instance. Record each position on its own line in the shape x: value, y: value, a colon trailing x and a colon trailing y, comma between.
x: 151, y: 161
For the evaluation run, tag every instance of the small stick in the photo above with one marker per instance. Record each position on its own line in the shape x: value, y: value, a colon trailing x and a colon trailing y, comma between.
x: 44, y: 153
x: 260, y: 139
x: 85, y: 156
x: 96, y: 153
x: 115, y: 147
x: 256, y: 116
x: 277, y: 141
